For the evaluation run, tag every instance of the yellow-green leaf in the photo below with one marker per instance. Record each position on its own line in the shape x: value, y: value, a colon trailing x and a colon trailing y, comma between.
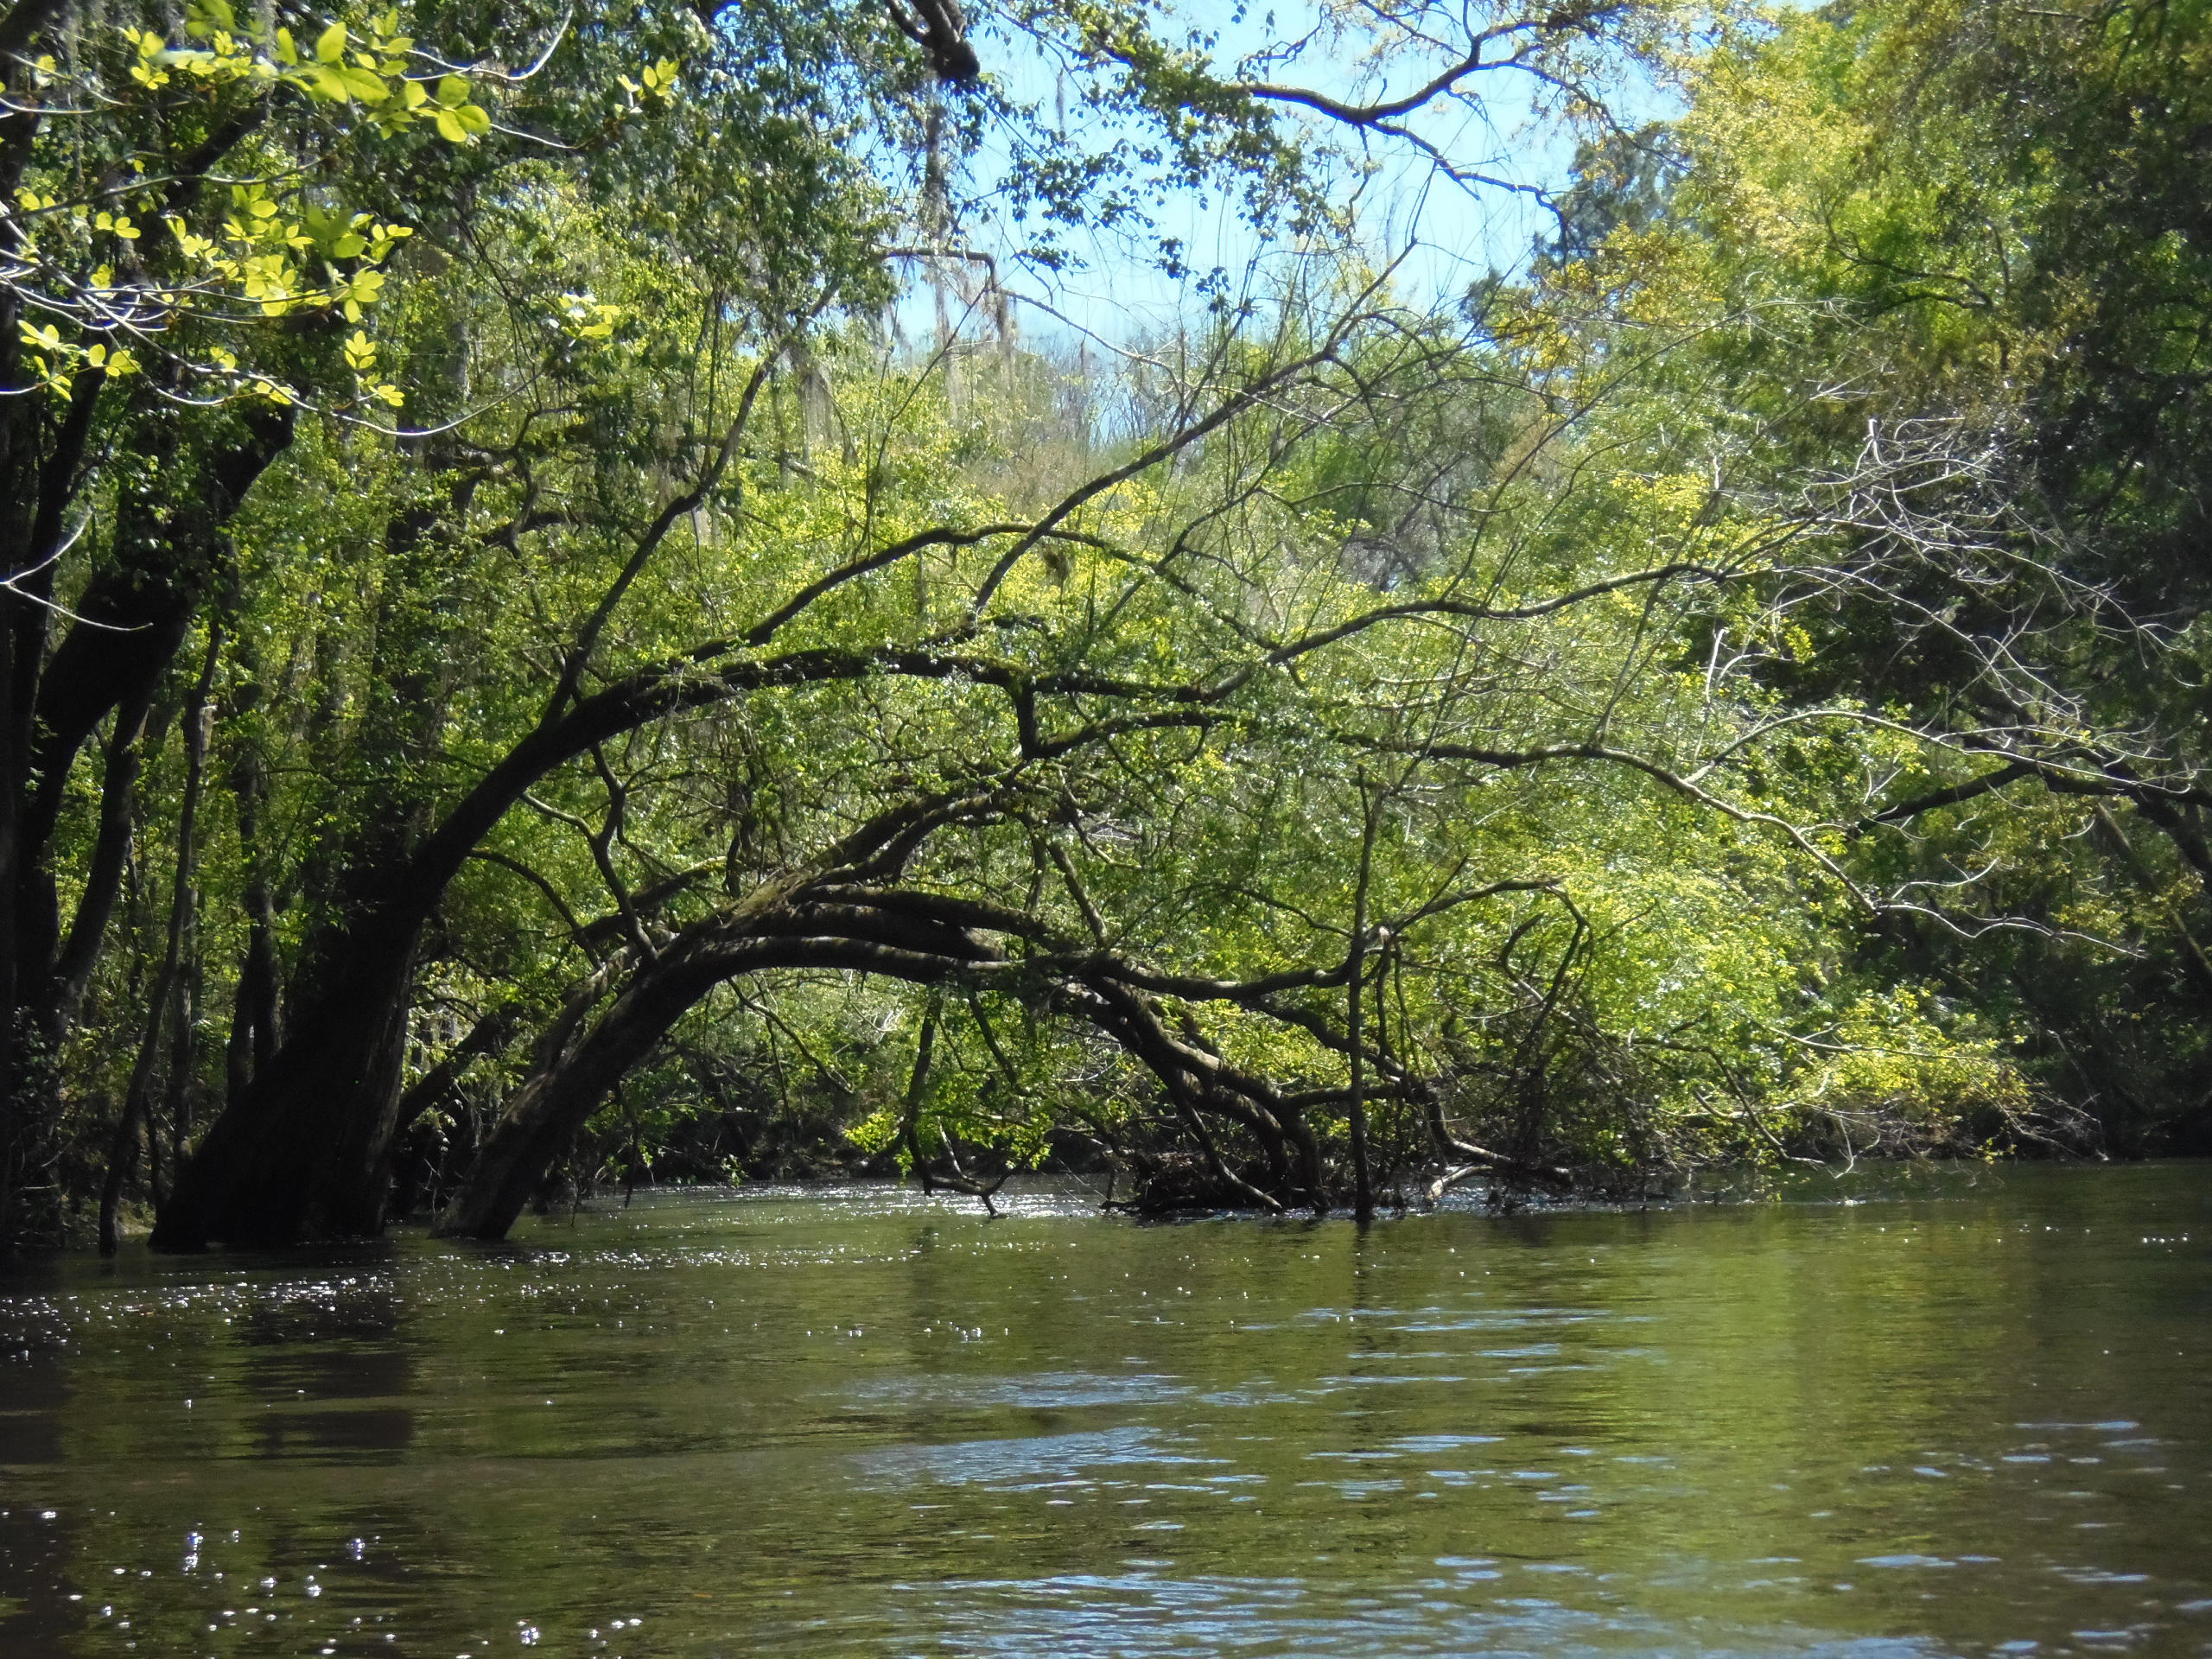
x: 369, y: 88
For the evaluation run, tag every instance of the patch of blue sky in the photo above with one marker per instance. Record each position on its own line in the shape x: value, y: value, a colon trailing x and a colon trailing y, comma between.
x: 1190, y: 244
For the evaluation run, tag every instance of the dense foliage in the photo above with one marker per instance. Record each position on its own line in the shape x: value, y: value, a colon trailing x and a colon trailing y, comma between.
x: 517, y: 668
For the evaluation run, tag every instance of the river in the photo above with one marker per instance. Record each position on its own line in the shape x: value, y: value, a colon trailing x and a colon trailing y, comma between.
x: 1900, y: 1415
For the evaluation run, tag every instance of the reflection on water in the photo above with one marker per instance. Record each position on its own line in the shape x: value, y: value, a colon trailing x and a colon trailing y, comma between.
x: 1955, y: 1415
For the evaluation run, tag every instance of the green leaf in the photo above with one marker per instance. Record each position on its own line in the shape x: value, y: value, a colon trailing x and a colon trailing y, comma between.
x: 330, y: 45
x: 364, y: 85
x: 452, y: 92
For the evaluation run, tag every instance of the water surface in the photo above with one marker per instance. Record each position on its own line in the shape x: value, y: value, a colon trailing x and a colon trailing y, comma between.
x: 1961, y: 1416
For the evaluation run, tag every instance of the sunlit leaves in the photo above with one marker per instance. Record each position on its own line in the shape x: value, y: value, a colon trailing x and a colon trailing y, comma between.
x: 284, y: 245
x: 458, y: 120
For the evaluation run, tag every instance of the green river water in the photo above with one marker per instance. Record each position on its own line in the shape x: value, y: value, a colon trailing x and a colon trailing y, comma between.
x: 1921, y: 1415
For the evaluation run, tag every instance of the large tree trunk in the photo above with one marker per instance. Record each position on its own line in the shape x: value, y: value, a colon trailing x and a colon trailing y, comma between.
x: 282, y: 1161
x: 302, y: 1151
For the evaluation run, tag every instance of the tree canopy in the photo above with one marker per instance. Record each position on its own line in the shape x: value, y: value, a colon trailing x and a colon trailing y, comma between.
x: 524, y: 659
